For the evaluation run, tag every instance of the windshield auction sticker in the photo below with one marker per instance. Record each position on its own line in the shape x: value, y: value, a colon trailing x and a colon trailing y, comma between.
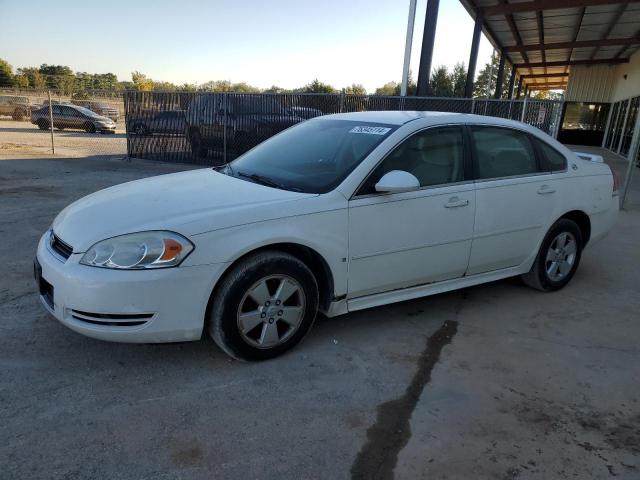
x: 370, y: 130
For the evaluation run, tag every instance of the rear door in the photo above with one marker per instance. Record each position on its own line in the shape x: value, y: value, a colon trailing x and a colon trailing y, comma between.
x: 516, y: 198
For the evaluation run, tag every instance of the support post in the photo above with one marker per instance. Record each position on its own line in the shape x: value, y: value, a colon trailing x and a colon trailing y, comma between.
x: 512, y: 81
x: 624, y: 124
x: 498, y: 92
x: 524, y: 110
x: 608, y: 126
x: 407, y: 48
x: 426, y: 54
x: 634, y: 151
x: 519, y: 87
x: 53, y: 146
x: 473, y: 56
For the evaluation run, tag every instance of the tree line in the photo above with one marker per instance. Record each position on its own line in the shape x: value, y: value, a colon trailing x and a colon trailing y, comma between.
x: 442, y: 82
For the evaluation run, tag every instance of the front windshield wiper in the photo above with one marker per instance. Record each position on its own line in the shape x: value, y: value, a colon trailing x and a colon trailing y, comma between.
x: 260, y: 179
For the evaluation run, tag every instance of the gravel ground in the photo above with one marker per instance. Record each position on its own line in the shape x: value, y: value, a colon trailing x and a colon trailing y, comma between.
x: 496, y: 381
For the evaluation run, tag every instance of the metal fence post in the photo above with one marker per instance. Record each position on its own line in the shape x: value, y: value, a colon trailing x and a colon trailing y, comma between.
x: 341, y: 102
x: 473, y: 105
x: 524, y: 109
x: 224, y: 128
x: 558, y: 119
x: 53, y: 146
x: 634, y: 151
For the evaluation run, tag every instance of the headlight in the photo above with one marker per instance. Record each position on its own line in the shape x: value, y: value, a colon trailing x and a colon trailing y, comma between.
x: 137, y: 251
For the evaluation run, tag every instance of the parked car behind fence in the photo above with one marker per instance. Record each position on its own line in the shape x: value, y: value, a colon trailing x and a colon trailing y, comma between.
x: 16, y: 107
x: 168, y: 122
x: 72, y: 116
x: 101, y: 108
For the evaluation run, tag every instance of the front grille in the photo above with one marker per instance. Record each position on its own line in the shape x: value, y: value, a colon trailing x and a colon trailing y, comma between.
x: 63, y: 249
x: 112, y: 319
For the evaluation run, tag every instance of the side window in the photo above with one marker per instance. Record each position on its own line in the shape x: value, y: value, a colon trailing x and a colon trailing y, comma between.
x: 56, y: 110
x: 69, y: 112
x: 434, y: 156
x: 502, y: 152
x: 553, y: 159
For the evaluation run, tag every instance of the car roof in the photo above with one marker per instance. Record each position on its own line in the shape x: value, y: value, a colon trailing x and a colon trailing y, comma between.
x: 395, y: 117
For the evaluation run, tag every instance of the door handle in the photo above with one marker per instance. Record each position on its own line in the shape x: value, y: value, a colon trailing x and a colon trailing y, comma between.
x: 455, y: 202
x: 545, y: 190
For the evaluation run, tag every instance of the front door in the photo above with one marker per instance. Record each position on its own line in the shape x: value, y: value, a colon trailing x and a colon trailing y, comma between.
x: 405, y: 239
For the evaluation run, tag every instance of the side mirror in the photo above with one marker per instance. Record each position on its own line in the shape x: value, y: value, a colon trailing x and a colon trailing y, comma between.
x: 397, y: 181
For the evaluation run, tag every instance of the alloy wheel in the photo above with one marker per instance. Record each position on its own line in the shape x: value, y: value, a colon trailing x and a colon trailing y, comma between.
x: 561, y: 256
x: 271, y: 311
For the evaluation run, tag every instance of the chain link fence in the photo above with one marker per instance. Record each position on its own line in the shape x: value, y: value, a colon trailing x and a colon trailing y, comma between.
x: 27, y: 118
x: 214, y: 128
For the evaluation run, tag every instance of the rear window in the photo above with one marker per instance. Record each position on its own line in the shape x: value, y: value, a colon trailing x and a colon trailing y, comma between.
x: 503, y: 152
x: 554, y: 161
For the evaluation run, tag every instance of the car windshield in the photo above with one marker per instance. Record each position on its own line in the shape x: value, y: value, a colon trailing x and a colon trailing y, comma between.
x: 86, y: 111
x: 313, y: 156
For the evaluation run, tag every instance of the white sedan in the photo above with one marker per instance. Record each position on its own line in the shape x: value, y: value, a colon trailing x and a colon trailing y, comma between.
x: 336, y: 214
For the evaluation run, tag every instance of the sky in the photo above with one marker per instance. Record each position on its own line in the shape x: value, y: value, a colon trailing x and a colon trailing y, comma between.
x: 287, y: 43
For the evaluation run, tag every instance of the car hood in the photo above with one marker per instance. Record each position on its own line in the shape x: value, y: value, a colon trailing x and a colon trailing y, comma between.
x: 188, y: 203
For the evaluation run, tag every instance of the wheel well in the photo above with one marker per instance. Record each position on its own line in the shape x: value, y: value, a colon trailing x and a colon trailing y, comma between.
x: 312, y: 259
x: 583, y: 221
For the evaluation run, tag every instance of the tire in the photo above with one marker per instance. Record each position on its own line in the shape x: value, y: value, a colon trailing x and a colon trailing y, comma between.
x: 273, y: 325
x: 197, y: 144
x: 18, y: 115
x: 43, y: 124
x: 558, y: 258
x: 140, y: 129
x: 89, y: 127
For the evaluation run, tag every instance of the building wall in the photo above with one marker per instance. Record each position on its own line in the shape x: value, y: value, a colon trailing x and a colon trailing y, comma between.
x: 629, y: 87
x: 591, y: 83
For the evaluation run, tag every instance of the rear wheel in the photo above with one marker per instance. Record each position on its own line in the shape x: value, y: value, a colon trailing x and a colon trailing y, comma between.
x: 140, y: 129
x: 43, y: 124
x: 18, y: 114
x: 558, y: 258
x: 264, y: 306
x: 89, y: 127
x: 197, y: 145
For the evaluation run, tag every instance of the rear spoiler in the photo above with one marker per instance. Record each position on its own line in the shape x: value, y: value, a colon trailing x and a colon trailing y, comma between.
x: 590, y: 157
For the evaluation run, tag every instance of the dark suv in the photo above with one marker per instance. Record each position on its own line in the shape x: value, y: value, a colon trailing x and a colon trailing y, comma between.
x: 249, y: 120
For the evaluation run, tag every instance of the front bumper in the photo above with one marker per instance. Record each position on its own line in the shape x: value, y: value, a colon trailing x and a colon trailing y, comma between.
x: 144, y: 306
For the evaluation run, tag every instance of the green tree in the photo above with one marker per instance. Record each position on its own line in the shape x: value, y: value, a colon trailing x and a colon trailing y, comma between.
x: 440, y: 82
x: 6, y: 74
x: 491, y: 70
x: 58, y: 77
x: 318, y: 87
x: 30, y: 77
x: 275, y: 89
x: 355, y: 89
x: 459, y: 79
x: 141, y: 82
x: 389, y: 88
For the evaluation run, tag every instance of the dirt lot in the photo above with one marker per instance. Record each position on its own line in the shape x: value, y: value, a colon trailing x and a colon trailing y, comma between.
x: 496, y: 381
x: 26, y: 138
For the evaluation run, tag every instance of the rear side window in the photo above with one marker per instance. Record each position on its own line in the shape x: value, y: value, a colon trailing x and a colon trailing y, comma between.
x: 553, y: 160
x: 502, y: 152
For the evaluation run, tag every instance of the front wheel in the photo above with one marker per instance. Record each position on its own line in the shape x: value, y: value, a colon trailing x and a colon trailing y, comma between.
x: 89, y: 127
x: 558, y: 258
x: 197, y: 145
x: 264, y: 306
x: 43, y: 124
